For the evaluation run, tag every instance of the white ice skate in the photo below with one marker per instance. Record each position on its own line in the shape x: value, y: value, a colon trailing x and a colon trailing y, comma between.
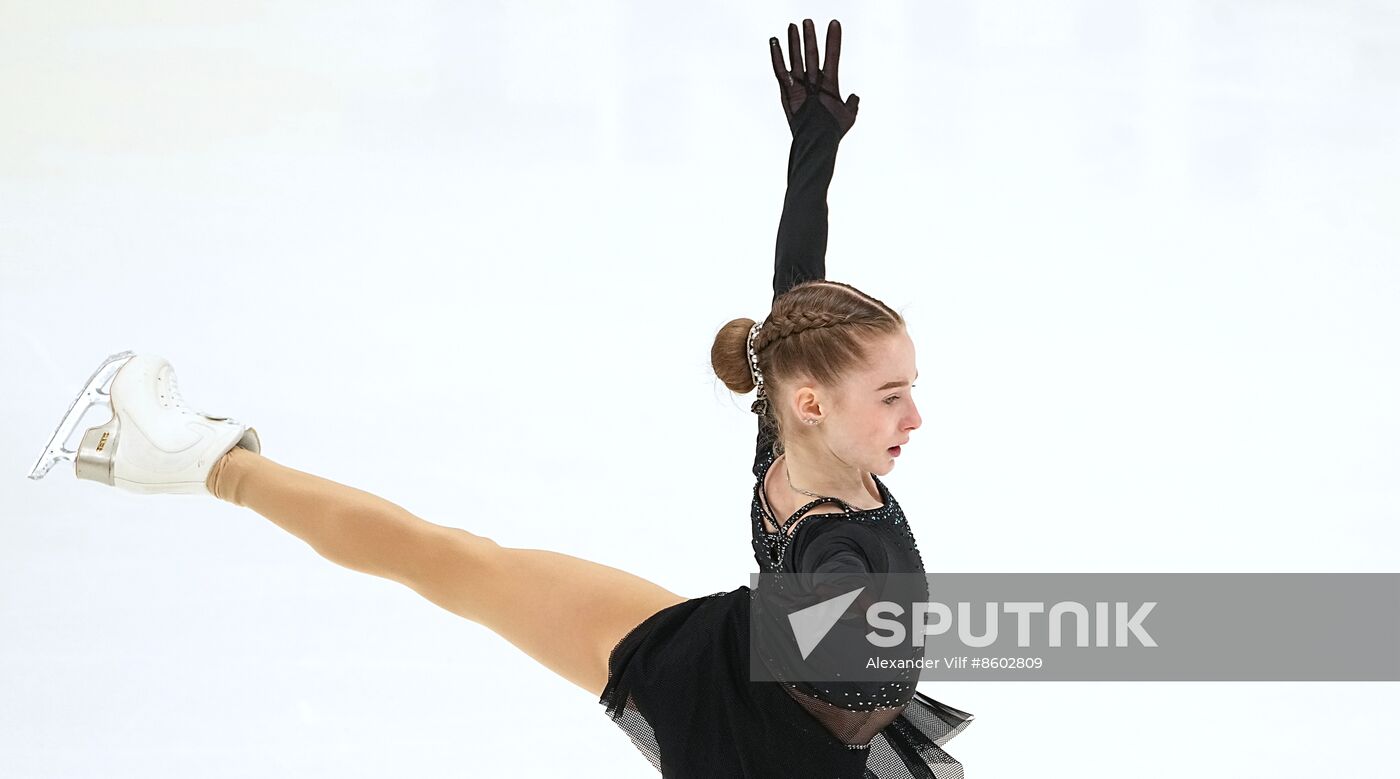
x: 153, y: 443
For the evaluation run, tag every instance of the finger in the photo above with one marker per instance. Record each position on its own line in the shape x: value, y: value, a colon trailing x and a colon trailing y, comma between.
x: 794, y: 51
x: 809, y: 36
x: 853, y: 103
x: 776, y: 49
x: 833, y: 52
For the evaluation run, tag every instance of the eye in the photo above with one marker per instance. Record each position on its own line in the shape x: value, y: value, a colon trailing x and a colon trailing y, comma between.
x: 891, y: 399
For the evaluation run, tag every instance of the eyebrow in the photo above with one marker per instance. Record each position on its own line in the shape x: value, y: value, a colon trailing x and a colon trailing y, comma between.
x: 893, y: 384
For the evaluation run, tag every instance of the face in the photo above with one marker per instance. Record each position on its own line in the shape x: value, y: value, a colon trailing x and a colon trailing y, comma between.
x: 871, y: 413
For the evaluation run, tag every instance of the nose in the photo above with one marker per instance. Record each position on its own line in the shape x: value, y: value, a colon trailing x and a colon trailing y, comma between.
x: 913, y: 421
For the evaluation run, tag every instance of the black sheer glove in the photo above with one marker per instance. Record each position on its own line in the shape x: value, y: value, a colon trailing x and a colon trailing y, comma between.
x: 799, y: 84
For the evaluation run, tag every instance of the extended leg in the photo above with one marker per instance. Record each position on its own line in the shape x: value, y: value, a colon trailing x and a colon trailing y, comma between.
x: 564, y: 611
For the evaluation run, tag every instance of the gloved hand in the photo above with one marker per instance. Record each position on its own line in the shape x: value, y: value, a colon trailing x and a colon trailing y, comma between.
x: 801, y: 83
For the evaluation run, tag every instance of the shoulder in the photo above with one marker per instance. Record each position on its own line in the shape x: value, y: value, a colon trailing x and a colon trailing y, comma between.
x: 824, y: 538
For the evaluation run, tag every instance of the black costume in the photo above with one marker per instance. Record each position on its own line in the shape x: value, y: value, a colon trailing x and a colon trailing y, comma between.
x: 679, y: 683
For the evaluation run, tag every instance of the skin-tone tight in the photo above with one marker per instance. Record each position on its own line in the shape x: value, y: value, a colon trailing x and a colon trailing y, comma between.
x: 566, y: 612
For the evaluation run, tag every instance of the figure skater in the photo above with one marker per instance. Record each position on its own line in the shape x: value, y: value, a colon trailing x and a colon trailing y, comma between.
x: 832, y: 367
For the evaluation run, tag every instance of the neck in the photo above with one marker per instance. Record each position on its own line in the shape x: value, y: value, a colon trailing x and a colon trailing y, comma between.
x: 824, y: 474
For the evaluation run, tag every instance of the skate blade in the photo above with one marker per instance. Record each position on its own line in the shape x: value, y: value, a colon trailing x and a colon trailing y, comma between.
x: 97, y: 392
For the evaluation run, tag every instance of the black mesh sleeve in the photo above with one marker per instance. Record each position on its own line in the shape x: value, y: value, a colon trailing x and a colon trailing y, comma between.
x: 801, y: 246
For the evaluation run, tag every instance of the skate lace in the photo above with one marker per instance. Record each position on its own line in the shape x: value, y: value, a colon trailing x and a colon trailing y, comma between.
x: 172, y: 388
x: 180, y: 401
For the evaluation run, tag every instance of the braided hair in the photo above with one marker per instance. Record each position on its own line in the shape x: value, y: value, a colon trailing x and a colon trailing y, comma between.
x: 818, y: 330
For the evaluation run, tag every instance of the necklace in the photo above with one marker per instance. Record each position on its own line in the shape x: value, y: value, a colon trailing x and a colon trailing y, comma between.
x: 788, y: 473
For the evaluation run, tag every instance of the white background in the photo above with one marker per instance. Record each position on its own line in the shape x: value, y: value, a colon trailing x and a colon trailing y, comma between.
x: 471, y: 257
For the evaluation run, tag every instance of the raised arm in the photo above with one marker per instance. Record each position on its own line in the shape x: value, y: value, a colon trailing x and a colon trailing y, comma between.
x: 818, y: 119
x: 802, y: 230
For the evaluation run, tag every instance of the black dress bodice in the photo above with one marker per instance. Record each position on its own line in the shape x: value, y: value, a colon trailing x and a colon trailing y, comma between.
x: 783, y: 550
x: 856, y: 548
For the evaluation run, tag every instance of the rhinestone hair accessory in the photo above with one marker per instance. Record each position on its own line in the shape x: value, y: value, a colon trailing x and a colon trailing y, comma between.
x: 761, y: 404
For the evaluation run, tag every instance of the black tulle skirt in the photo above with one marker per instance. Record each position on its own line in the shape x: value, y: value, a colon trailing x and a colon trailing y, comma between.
x: 679, y: 687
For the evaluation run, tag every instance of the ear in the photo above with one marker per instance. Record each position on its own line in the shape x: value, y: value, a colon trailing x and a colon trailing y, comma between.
x: 811, y: 401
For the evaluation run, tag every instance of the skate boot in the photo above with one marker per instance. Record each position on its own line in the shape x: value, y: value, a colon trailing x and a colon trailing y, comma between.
x: 153, y: 443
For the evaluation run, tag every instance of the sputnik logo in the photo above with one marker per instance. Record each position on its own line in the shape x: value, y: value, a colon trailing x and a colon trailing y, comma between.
x: 810, y: 625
